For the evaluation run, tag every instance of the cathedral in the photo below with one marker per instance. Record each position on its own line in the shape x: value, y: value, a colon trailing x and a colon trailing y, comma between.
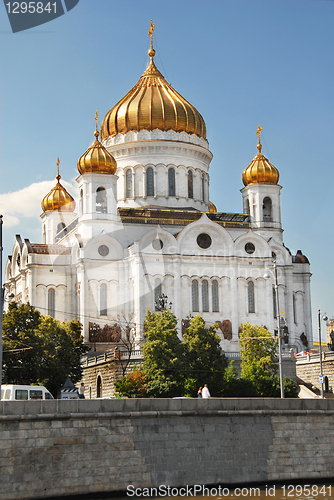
x: 144, y: 233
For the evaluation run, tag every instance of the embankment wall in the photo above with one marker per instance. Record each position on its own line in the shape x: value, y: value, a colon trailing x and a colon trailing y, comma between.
x: 67, y: 447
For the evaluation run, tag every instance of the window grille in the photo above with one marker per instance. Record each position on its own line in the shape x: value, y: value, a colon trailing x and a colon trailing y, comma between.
x: 190, y: 184
x: 149, y: 182
x: 128, y: 190
x: 205, y: 296
x: 194, y: 291
x: 251, y: 298
x: 171, y: 182
x: 51, y: 302
x: 215, y: 297
x: 103, y: 300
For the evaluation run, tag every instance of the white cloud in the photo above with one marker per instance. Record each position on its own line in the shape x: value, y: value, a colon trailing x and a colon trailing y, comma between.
x: 27, y: 201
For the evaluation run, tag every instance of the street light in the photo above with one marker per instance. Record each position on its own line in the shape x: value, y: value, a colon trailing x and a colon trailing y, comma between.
x: 94, y: 334
x: 266, y: 276
x: 161, y: 303
x: 321, y: 378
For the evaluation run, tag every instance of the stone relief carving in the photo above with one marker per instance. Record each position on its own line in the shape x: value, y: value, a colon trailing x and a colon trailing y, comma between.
x: 226, y: 328
x: 304, y: 340
x: 108, y: 333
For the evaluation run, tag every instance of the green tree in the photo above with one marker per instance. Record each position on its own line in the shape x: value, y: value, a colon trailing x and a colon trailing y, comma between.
x: 62, y: 350
x: 21, y: 345
x: 40, y: 349
x: 133, y: 384
x: 205, y: 360
x: 163, y: 355
x: 235, y: 387
x: 259, y: 362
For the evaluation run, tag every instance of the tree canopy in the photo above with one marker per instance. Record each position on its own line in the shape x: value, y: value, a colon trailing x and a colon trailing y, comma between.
x: 259, y: 362
x: 205, y: 360
x: 133, y: 384
x: 163, y: 355
x: 40, y: 349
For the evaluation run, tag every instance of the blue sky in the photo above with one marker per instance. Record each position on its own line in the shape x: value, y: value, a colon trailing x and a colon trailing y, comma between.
x: 240, y: 62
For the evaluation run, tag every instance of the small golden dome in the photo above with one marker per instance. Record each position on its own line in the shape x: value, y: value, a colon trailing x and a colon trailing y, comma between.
x: 58, y: 198
x: 97, y: 159
x: 213, y: 207
x: 152, y: 104
x: 260, y: 170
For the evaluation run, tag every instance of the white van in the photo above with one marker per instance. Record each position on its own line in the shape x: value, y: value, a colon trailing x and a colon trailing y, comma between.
x: 10, y: 392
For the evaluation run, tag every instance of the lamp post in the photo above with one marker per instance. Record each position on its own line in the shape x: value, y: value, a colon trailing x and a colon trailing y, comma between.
x: 279, y: 328
x: 1, y: 302
x: 161, y: 303
x: 94, y: 333
x: 321, y: 378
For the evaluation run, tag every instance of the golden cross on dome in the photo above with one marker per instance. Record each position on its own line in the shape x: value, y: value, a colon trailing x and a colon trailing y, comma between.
x: 150, y: 32
x: 58, y: 163
x: 282, y: 312
x: 259, y: 130
x: 96, y: 117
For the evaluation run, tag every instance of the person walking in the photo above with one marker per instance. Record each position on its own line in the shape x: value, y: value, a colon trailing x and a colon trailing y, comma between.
x: 199, y: 393
x: 82, y: 391
x: 206, y: 392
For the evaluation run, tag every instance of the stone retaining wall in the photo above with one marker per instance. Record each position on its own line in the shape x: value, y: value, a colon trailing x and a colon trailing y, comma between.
x: 67, y: 447
x: 308, y: 369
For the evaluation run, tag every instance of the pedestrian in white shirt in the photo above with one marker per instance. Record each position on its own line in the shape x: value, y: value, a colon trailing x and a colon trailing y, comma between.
x: 205, y: 392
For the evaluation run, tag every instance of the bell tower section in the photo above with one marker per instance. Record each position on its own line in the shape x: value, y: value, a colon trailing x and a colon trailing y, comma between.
x: 261, y: 194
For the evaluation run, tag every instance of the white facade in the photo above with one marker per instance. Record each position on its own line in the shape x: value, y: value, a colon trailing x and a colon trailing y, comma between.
x: 147, y: 229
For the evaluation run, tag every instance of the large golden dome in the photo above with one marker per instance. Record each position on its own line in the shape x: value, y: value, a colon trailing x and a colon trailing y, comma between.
x: 260, y: 170
x: 97, y: 159
x: 58, y: 198
x: 152, y: 104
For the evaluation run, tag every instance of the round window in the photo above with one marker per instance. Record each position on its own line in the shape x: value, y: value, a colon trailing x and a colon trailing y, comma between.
x: 204, y: 240
x: 103, y: 250
x: 250, y: 248
x: 157, y: 244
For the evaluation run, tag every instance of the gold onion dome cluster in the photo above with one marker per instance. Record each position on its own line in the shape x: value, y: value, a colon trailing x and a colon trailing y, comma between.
x: 58, y: 198
x: 97, y: 159
x: 152, y: 104
x: 260, y: 170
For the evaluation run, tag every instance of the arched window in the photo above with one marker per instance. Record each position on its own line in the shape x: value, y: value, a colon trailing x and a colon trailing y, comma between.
x: 205, y: 296
x: 171, y: 182
x: 51, y: 302
x: 294, y: 305
x: 203, y: 188
x: 267, y: 209
x: 101, y: 200
x: 251, y: 298
x: 149, y: 182
x: 81, y: 202
x: 247, y: 209
x: 103, y: 300
x: 99, y: 387
x: 274, y: 303
x: 215, y: 297
x: 190, y: 184
x: 157, y: 293
x: 194, y: 294
x: 128, y: 181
